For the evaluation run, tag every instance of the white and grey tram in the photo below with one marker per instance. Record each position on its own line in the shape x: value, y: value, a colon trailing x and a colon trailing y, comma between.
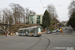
x: 30, y: 31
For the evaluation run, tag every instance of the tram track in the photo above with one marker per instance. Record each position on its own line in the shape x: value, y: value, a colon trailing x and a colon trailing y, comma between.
x: 39, y: 42
x: 47, y: 44
x: 34, y: 44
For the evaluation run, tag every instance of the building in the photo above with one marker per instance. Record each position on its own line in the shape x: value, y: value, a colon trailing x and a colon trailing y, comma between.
x: 64, y: 23
x: 35, y: 19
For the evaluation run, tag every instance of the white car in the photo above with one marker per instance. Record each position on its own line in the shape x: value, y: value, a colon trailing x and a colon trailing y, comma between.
x: 58, y: 30
x: 49, y: 32
x: 54, y: 31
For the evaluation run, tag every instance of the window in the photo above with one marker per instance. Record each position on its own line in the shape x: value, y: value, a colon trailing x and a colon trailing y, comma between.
x: 24, y: 31
x: 31, y: 30
x: 21, y: 31
x: 38, y: 21
x: 38, y: 17
x: 32, y: 22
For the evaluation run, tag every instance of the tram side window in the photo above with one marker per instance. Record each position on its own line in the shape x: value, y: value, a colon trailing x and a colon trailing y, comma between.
x: 31, y: 31
x: 24, y: 31
x: 27, y: 31
x: 35, y: 30
x: 21, y: 31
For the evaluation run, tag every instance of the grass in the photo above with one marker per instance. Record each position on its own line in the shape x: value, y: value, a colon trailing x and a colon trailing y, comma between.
x: 1, y: 34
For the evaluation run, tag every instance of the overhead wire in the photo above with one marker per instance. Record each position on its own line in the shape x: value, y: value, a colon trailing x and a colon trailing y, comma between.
x: 42, y: 5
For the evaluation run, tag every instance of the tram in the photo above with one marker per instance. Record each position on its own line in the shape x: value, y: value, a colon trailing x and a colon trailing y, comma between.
x: 30, y: 31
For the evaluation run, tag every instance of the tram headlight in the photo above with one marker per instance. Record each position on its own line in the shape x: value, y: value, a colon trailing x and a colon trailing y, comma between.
x: 39, y: 33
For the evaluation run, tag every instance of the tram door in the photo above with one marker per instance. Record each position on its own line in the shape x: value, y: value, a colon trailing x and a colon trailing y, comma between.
x: 27, y: 32
x: 24, y: 32
x: 35, y: 32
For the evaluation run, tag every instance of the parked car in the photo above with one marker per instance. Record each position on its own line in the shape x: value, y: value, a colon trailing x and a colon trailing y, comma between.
x: 54, y: 31
x: 66, y: 28
x: 49, y: 32
x: 58, y: 30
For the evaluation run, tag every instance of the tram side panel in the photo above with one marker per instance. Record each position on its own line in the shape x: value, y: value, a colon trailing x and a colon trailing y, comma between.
x: 31, y: 31
x: 21, y: 32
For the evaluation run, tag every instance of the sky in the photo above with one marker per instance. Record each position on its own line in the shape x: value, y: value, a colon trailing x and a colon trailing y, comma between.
x: 35, y: 5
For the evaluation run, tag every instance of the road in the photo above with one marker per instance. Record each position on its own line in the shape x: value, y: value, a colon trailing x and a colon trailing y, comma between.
x: 45, y: 42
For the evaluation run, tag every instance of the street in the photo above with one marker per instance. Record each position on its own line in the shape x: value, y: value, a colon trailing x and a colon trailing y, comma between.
x: 45, y: 42
x: 37, y: 24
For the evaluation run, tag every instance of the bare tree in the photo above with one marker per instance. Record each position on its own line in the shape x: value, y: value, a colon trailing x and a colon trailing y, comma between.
x: 32, y: 12
x: 18, y: 12
x: 28, y: 12
x: 0, y: 16
x: 52, y: 11
x: 71, y: 7
x: 7, y: 16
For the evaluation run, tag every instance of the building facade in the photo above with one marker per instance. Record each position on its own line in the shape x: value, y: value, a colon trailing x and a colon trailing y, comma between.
x: 64, y: 23
x: 35, y: 19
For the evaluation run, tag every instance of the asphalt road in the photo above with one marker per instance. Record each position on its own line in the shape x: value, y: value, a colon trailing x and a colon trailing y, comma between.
x: 45, y: 42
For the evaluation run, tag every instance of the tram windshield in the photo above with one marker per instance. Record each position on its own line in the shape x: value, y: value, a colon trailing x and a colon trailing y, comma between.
x: 39, y: 29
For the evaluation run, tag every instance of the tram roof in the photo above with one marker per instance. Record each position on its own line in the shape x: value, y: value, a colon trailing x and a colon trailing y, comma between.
x: 34, y: 26
x: 29, y: 27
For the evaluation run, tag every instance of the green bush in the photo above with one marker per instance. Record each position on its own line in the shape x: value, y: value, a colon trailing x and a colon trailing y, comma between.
x: 51, y: 28
x: 27, y: 23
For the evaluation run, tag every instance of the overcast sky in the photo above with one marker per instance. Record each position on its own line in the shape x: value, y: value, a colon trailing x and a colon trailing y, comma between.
x: 35, y: 5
